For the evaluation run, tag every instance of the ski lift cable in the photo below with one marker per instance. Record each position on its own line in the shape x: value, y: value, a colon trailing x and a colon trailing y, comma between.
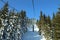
x: 33, y: 11
x: 33, y: 7
x: 10, y: 5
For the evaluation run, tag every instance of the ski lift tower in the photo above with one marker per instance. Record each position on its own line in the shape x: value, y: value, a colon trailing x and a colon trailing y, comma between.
x: 33, y: 22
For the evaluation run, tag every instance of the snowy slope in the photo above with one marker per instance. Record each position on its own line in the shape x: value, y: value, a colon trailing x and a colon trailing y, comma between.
x: 31, y: 36
x: 30, y: 28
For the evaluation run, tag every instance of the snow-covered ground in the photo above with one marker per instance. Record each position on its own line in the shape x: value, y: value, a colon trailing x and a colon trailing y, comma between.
x: 43, y: 38
x: 30, y: 35
x: 30, y: 28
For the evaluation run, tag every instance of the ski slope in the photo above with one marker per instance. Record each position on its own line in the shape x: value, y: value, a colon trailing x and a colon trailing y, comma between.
x: 30, y: 35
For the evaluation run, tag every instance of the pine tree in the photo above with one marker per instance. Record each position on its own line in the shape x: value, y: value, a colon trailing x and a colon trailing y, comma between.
x: 5, y: 17
x: 12, y: 13
x: 53, y: 15
x: 41, y: 14
x: 44, y: 19
x: 49, y: 21
x: 5, y: 10
x: 23, y: 14
x: 0, y: 19
x: 40, y: 19
x: 23, y: 21
x: 56, y: 23
x: 53, y: 19
x: 57, y: 18
x: 0, y: 23
x: 41, y: 22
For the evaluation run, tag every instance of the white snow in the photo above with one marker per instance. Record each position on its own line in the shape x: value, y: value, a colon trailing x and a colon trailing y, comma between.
x: 30, y: 28
x: 33, y: 36
x: 30, y: 35
x: 36, y: 28
x: 43, y: 38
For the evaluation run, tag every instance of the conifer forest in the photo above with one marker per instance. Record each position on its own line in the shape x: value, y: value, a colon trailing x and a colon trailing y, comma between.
x: 16, y: 25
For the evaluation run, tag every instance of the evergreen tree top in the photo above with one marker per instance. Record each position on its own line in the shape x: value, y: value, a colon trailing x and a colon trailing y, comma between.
x: 58, y: 13
x: 59, y: 9
x: 5, y: 8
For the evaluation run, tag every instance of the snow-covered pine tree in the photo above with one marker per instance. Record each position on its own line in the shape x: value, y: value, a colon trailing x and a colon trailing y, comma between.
x: 23, y: 21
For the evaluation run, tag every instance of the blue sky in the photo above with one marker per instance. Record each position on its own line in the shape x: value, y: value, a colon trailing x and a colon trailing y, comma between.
x: 47, y: 6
